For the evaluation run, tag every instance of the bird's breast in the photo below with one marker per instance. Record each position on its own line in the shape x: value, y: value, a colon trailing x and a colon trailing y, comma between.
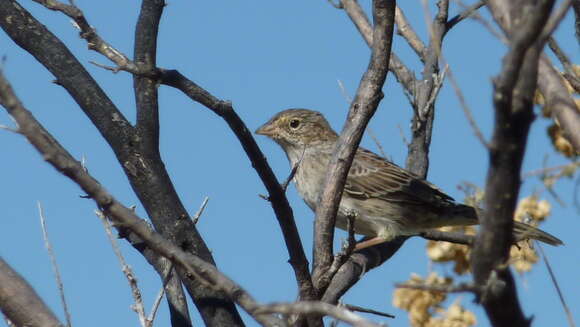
x: 309, y: 180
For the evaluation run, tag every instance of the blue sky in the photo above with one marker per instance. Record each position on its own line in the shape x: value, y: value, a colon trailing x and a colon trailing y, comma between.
x: 264, y: 56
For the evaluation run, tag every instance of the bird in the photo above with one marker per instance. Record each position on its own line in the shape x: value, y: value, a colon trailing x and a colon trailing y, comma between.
x: 387, y: 201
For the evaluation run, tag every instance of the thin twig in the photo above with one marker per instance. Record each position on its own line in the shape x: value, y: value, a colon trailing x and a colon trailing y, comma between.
x: 292, y: 172
x: 366, y: 310
x: 544, y: 171
x: 451, y: 237
x: 9, y: 129
x: 200, y: 210
x: 569, y: 73
x: 55, y: 269
x: 459, y: 288
x: 403, y: 137
x: 94, y: 41
x: 437, y: 84
x: 159, y: 297
x: 408, y: 33
x: 343, y: 91
x: 348, y: 99
x: 486, y: 24
x: 466, y: 13
x: 138, y: 307
x: 376, y: 140
x: 556, y: 285
x: 337, y: 5
x: 317, y: 308
x: 466, y: 110
x: 196, y: 268
x: 554, y: 21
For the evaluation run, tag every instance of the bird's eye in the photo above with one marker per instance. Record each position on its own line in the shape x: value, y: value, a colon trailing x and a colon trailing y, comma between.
x: 294, y: 123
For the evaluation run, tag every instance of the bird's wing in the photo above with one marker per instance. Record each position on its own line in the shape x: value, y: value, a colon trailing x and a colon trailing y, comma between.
x: 374, y: 177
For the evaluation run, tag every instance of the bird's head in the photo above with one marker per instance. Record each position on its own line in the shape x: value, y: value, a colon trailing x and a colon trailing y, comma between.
x: 298, y: 128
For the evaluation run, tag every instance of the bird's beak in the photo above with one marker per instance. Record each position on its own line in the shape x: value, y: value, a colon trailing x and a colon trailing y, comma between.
x: 267, y: 130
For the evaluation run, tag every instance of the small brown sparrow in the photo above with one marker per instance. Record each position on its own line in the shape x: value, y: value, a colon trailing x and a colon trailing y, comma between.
x: 388, y: 201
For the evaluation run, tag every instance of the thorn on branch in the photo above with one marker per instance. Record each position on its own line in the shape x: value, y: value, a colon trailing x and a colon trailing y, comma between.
x: 200, y: 210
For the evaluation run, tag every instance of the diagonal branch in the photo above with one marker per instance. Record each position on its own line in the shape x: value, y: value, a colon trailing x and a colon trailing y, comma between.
x: 463, y: 15
x: 564, y: 110
x: 142, y: 165
x: 36, y: 39
x: 194, y: 267
x: 20, y: 303
x: 225, y: 110
x: 361, y: 110
x: 406, y: 30
x: 276, y: 196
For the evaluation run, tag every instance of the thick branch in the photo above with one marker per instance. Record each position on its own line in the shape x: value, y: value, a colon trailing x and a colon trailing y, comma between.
x: 276, y: 196
x: 20, y: 303
x: 142, y: 165
x: 513, y: 102
x: 357, y: 265
x: 194, y: 267
x: 563, y: 107
x: 422, y: 123
x: 364, y: 105
x: 33, y: 37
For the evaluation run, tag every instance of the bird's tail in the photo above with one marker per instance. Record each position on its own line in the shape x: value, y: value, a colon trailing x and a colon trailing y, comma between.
x: 524, y: 231
x: 467, y: 215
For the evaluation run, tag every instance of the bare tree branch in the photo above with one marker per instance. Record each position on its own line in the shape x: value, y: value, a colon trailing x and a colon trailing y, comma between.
x: 178, y: 308
x: 138, y: 306
x: 556, y: 285
x: 317, y: 308
x: 406, y: 30
x: 458, y: 238
x: 94, y: 41
x: 513, y: 101
x: 366, y: 310
x: 564, y: 110
x: 361, y: 110
x: 459, y: 288
x: 357, y: 265
x: 403, y: 75
x: 142, y: 165
x: 276, y: 196
x: 193, y: 266
x: 20, y: 303
x: 54, y: 265
x: 422, y: 123
x: 463, y: 15
x: 569, y: 73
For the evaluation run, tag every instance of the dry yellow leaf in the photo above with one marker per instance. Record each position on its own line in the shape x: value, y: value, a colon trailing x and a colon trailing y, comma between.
x: 420, y: 303
x: 559, y: 142
x: 455, y: 316
x: 531, y: 210
x: 523, y: 257
x: 451, y: 252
